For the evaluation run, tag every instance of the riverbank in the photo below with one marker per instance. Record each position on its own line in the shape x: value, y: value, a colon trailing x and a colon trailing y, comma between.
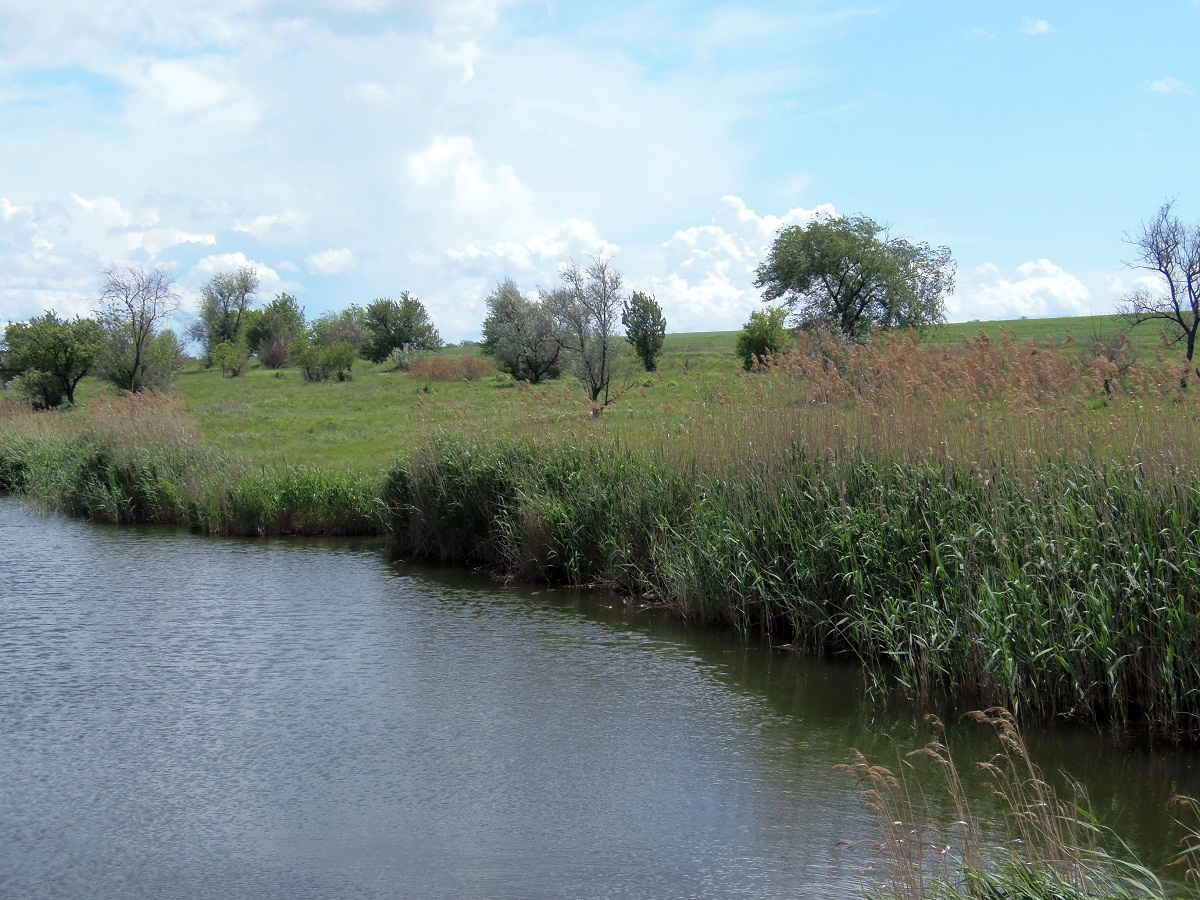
x: 982, y: 525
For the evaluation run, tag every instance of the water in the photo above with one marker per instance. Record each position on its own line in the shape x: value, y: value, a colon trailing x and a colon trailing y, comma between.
x: 193, y: 717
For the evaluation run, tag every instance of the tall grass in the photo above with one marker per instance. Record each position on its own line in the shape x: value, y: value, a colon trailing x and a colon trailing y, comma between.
x: 138, y: 459
x: 1037, y: 844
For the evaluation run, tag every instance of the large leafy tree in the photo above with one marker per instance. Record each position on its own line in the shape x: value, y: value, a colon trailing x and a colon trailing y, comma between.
x: 393, y: 324
x: 1170, y: 250
x: 519, y: 334
x: 851, y: 274
x: 53, y: 355
x: 645, y: 327
x: 225, y: 300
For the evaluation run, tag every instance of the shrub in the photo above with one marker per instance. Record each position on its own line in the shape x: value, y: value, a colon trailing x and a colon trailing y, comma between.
x: 323, y: 363
x: 275, y: 349
x: 229, y: 357
x: 763, y: 336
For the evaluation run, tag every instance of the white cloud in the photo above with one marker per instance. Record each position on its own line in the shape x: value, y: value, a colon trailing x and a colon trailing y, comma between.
x: 277, y: 226
x: 1039, y: 289
x: 708, y: 282
x: 52, y: 254
x: 449, y: 171
x: 1036, y: 27
x: 332, y: 261
x: 1169, y: 85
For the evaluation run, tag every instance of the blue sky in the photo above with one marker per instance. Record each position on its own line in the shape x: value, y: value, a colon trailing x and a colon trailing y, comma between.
x: 353, y: 149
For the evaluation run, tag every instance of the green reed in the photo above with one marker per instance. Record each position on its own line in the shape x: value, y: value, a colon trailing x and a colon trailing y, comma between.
x: 1068, y: 587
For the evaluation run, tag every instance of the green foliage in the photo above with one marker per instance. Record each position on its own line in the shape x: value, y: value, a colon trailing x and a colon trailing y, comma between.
x: 763, y: 335
x: 157, y: 366
x: 398, y: 323
x: 53, y: 355
x: 323, y: 363
x: 225, y: 300
x: 519, y: 334
x: 346, y: 327
x: 230, y: 357
x: 280, y: 322
x: 851, y: 275
x: 645, y: 327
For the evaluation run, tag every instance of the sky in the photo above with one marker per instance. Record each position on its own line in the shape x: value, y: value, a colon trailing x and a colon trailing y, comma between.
x: 355, y: 149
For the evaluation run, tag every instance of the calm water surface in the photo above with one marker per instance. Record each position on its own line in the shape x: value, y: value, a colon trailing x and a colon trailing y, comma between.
x: 192, y: 717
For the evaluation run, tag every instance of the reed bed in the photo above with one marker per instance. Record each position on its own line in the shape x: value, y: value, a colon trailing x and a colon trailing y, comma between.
x: 1019, y: 534
x: 138, y: 459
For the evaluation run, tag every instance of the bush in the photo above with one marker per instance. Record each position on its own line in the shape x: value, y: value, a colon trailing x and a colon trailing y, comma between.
x: 764, y: 335
x: 229, y: 357
x: 275, y: 349
x: 323, y: 363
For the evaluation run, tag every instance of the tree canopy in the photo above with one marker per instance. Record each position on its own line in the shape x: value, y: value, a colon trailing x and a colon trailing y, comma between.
x: 519, y: 334
x: 851, y: 274
x: 587, y: 313
x: 398, y: 323
x: 53, y: 355
x: 224, y: 301
x: 645, y: 327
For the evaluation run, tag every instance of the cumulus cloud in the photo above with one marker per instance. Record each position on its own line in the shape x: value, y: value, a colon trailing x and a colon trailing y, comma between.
x: 1035, y: 27
x: 449, y: 171
x: 1039, y: 289
x: 1169, y: 85
x: 332, y: 261
x: 708, y: 282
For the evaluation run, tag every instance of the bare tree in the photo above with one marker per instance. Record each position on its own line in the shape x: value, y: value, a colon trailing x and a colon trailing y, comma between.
x: 135, y: 301
x: 1171, y: 250
x: 587, y: 311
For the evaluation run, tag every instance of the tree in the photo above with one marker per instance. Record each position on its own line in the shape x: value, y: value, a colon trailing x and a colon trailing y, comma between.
x: 224, y: 301
x: 230, y: 357
x: 133, y: 305
x: 850, y: 274
x: 1171, y: 250
x: 276, y: 324
x: 398, y: 323
x: 763, y: 335
x: 53, y: 355
x: 645, y: 327
x: 519, y: 334
x: 586, y: 311
x: 345, y: 327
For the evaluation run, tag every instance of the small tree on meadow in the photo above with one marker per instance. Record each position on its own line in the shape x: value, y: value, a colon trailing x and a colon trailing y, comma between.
x: 587, y: 313
x: 645, y: 327
x: 763, y: 335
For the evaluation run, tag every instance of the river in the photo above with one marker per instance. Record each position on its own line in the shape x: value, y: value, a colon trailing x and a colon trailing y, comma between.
x: 183, y: 716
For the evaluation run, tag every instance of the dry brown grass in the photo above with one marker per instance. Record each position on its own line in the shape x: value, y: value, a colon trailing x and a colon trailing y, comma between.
x: 452, y: 368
